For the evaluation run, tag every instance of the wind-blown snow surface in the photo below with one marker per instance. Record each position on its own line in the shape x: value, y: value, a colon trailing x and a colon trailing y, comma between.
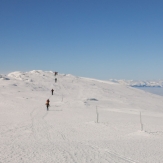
x: 68, y: 132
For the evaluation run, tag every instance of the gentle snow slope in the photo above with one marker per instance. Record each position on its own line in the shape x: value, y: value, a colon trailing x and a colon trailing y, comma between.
x: 68, y: 132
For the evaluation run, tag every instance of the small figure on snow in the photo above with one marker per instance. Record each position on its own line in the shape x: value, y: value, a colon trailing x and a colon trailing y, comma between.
x: 52, y: 91
x: 55, y: 80
x: 47, y: 104
x: 55, y: 73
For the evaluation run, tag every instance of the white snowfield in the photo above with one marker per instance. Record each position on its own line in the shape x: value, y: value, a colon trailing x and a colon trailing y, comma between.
x: 134, y: 83
x: 69, y: 132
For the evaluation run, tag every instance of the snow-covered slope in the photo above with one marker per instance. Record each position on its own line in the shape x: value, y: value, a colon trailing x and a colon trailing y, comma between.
x: 69, y: 131
x: 135, y: 83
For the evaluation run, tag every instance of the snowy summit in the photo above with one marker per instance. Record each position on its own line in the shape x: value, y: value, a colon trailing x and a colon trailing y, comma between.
x: 88, y: 121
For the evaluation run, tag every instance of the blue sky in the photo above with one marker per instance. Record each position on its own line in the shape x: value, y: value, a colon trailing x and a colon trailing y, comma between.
x: 104, y: 39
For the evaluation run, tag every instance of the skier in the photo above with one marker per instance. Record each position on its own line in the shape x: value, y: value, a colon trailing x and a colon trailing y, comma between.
x: 47, y: 104
x: 55, y: 80
x: 52, y: 91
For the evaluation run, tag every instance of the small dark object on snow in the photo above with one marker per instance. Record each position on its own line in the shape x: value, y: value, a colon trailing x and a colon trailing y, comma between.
x: 55, y: 80
x: 47, y: 104
x: 52, y: 91
x: 55, y: 73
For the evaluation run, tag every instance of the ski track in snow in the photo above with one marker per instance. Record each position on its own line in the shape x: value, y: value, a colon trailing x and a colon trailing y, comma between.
x: 40, y: 133
x: 67, y: 133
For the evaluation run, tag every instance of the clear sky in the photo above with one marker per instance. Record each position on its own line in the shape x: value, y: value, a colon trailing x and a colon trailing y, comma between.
x: 103, y: 39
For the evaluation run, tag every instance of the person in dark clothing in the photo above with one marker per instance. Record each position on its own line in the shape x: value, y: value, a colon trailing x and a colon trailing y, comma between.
x: 47, y: 104
x: 55, y: 80
x: 52, y: 91
x: 55, y: 73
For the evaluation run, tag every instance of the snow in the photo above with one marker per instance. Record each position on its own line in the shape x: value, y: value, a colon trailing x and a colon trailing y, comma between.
x: 3, y: 77
x: 69, y: 132
x: 134, y: 83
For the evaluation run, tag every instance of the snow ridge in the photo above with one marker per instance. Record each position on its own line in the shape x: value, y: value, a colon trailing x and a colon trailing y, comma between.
x: 134, y: 83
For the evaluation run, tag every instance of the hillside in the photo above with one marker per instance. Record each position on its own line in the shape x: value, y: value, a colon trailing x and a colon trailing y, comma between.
x: 69, y: 132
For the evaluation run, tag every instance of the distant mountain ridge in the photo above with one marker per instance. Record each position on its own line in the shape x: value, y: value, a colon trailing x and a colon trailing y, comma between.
x: 139, y: 83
